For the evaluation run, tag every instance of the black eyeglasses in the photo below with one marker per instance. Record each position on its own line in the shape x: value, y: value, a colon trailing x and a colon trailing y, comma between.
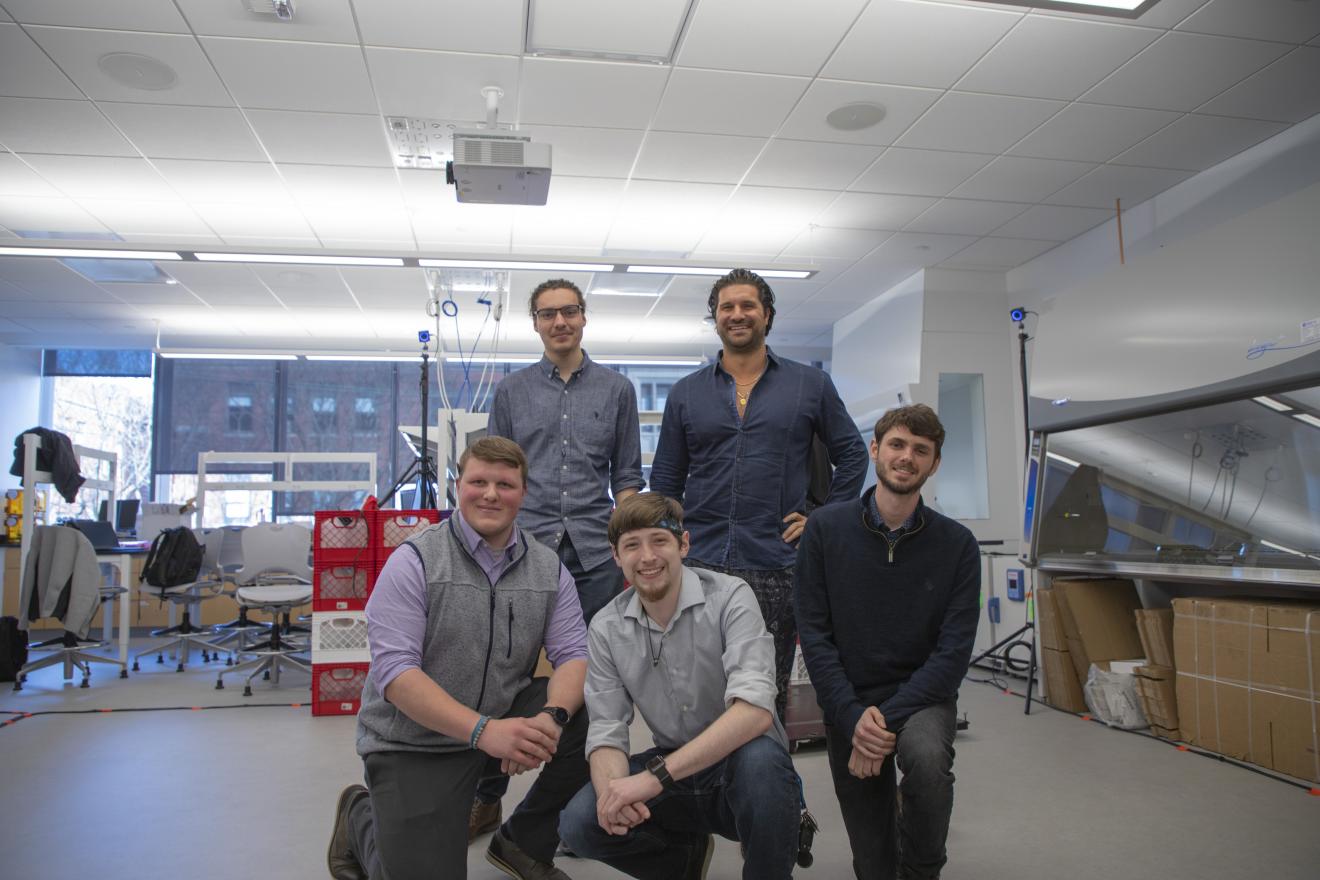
x: 548, y: 315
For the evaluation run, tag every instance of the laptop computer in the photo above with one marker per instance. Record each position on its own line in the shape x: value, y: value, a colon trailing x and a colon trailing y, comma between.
x: 126, y: 514
x: 101, y: 534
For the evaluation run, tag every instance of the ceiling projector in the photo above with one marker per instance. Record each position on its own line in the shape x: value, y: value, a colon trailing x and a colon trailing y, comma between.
x: 497, y: 168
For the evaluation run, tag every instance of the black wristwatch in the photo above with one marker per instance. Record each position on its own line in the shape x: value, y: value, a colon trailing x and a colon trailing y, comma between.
x: 658, y: 769
x: 560, y: 716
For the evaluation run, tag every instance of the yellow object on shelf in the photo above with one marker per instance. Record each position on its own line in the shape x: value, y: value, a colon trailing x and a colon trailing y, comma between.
x: 13, y: 501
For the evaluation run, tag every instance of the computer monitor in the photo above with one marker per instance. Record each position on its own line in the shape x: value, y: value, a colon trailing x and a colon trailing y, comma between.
x: 103, y: 515
x: 126, y: 514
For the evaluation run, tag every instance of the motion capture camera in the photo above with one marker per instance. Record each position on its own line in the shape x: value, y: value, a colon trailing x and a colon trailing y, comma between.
x: 1017, y: 313
x: 807, y: 829
x: 423, y: 336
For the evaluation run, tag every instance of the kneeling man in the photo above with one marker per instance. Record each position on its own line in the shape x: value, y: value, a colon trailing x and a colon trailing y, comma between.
x: 688, y: 648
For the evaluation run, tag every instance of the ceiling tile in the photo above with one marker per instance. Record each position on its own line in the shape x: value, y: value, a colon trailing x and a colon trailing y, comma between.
x: 28, y: 214
x: 281, y: 75
x: 1286, y: 21
x: 334, y: 138
x: 1055, y: 57
x: 917, y: 44
x: 664, y: 217
x: 700, y: 158
x: 559, y: 91
x: 99, y: 177
x: 49, y: 280
x: 235, y: 220
x: 919, y: 172
x: 1180, y: 71
x: 764, y: 45
x: 311, y: 286
x: 359, y: 221
x: 219, y: 282
x: 964, y: 217
x: 998, y: 253
x: 239, y: 182
x: 166, y: 132
x: 17, y: 179
x: 1053, y: 222
x: 26, y: 72
x: 702, y: 101
x: 1196, y: 142
x: 1101, y: 187
x: 31, y: 125
x: 79, y: 53
x: 578, y: 213
x: 830, y: 243
x: 486, y: 25
x: 1014, y: 179
x: 332, y: 185
x: 872, y: 211
x: 978, y: 123
x: 601, y: 28
x: 587, y: 152
x: 405, y: 80
x: 902, y: 107
x: 1091, y: 132
x: 326, y: 21
x: 1285, y: 91
x: 1164, y: 14
x: 156, y: 294
x: 762, y: 220
x: 129, y: 15
x: 131, y: 217
x: 808, y: 164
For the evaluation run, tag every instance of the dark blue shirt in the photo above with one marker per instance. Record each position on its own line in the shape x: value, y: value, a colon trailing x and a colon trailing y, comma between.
x: 737, y: 478
x: 582, y: 441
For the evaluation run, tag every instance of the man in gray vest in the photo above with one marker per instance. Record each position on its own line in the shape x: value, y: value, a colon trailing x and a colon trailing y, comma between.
x: 456, y: 622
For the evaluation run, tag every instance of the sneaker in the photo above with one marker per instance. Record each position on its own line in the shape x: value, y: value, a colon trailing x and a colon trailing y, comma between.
x: 483, y: 818
x: 504, y: 854
x: 699, y: 859
x: 340, y: 859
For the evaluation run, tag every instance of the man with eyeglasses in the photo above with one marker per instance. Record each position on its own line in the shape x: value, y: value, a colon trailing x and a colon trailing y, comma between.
x: 577, y: 422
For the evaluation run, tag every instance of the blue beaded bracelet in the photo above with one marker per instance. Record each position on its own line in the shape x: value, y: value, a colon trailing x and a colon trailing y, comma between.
x: 476, y: 731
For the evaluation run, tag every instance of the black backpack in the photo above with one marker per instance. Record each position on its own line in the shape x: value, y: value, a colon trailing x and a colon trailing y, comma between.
x: 175, y: 558
x: 13, y: 648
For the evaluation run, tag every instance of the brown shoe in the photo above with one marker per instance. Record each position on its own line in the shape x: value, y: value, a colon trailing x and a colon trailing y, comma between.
x: 504, y: 854
x: 340, y: 859
x: 483, y: 818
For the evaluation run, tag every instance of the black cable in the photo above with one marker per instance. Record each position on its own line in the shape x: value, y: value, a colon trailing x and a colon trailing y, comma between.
x: 23, y: 716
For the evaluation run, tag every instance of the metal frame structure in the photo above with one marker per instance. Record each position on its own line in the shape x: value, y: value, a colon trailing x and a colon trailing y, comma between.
x: 211, y: 483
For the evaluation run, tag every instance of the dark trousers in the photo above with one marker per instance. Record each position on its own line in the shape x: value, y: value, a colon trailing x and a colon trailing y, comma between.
x: 774, y: 593
x: 885, y: 840
x: 751, y: 796
x: 414, y: 825
x: 595, y: 588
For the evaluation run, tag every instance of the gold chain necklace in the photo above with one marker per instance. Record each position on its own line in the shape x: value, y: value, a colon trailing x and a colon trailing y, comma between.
x: 742, y: 398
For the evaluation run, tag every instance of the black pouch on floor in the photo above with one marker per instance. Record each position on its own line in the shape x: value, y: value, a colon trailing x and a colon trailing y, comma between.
x: 13, y: 648
x: 175, y: 558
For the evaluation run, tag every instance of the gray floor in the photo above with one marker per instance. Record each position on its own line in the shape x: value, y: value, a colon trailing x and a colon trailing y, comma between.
x: 217, y: 793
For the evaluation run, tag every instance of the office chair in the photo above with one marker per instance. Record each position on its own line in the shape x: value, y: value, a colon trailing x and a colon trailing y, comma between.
x: 62, y: 581
x: 209, y: 584
x: 275, y: 577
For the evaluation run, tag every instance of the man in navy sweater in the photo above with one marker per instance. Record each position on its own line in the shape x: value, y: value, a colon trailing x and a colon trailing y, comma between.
x: 887, y: 597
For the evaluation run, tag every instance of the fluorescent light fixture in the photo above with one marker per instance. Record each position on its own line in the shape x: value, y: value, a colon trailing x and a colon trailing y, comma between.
x: 1274, y: 546
x: 90, y: 254
x: 1063, y: 459
x: 493, y: 359
x: 604, y: 292
x: 1311, y: 420
x: 1119, y: 8
x: 650, y: 362
x: 1272, y: 404
x: 362, y: 357
x: 224, y: 356
x: 516, y: 264
x: 302, y: 259
x: 710, y: 270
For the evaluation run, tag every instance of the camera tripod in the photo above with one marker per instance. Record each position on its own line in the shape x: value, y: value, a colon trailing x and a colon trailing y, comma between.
x: 1002, y: 649
x: 422, y: 469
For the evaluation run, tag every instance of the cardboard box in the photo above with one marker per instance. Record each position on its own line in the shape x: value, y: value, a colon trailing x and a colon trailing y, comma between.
x: 1155, y: 629
x: 1097, y: 619
x: 1159, y: 698
x: 1247, y: 678
x: 1062, y: 690
x: 1048, y: 624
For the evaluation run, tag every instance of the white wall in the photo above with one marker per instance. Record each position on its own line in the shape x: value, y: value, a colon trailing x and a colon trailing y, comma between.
x: 20, y: 401
x: 877, y: 351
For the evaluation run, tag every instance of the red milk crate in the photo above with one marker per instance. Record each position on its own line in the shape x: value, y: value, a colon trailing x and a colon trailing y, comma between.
x: 342, y: 586
x: 390, y: 528
x: 337, y: 687
x: 341, y: 534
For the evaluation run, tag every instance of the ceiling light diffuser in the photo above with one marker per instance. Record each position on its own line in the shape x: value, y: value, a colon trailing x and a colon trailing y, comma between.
x: 1118, y: 8
x: 90, y: 254
x: 1273, y: 404
x: 1311, y: 420
x: 709, y: 270
x: 224, y: 356
x: 307, y: 259
x: 517, y: 264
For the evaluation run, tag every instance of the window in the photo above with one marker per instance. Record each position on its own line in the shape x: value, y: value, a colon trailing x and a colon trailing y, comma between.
x: 240, y: 413
x: 323, y: 415
x: 364, y: 415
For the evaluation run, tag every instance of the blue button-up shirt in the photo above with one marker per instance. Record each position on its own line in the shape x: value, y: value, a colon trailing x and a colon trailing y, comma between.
x: 582, y: 441
x: 737, y: 478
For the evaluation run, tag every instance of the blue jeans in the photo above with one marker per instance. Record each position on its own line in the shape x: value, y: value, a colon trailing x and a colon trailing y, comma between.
x: 751, y: 796
x: 886, y: 844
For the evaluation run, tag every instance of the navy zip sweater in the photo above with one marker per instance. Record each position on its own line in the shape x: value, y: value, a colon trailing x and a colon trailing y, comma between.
x: 881, y: 624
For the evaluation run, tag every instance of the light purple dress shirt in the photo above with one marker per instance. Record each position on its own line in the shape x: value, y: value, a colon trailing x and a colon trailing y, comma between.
x: 397, y: 609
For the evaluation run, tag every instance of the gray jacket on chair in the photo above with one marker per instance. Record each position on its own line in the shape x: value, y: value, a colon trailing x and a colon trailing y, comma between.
x: 61, y: 579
